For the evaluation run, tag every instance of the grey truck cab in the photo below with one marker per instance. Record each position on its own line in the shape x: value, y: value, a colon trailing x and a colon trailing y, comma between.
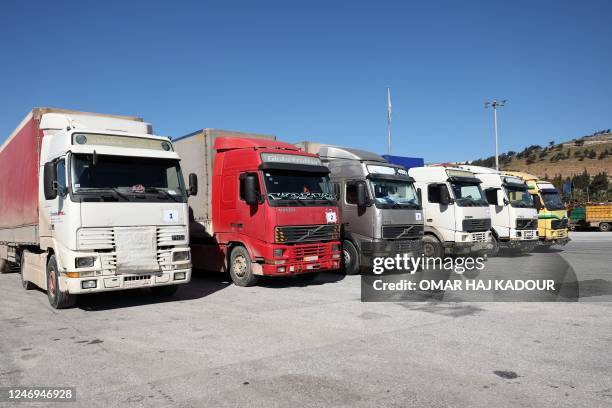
x: 380, y: 212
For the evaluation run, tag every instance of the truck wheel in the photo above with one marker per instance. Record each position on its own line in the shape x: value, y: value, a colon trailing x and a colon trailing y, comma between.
x: 4, y: 266
x: 164, y: 291
x: 432, y: 247
x: 240, y: 267
x: 604, y: 227
x: 27, y: 285
x: 57, y: 299
x: 350, y: 258
x: 495, y: 243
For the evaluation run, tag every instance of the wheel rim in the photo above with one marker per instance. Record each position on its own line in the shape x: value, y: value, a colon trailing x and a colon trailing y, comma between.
x: 51, y: 282
x: 428, y: 249
x: 347, y: 257
x: 605, y: 227
x: 239, y: 266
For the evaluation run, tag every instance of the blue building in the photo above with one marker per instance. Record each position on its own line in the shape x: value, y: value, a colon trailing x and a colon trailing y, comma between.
x: 407, y: 162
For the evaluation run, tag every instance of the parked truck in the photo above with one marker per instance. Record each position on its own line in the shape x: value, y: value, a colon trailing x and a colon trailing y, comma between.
x: 266, y: 208
x: 591, y: 215
x: 90, y: 203
x: 456, y: 212
x: 552, y: 215
x: 381, y: 215
x: 513, y: 214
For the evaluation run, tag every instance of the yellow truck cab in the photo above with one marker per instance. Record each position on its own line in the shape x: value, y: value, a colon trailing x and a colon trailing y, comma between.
x: 552, y: 215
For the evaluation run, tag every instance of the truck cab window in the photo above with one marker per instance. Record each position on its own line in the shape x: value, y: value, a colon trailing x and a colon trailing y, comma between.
x: 351, y: 193
x: 433, y: 193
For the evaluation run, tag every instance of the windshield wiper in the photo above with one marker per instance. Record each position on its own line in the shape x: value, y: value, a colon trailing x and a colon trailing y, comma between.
x: 163, y: 191
x: 99, y: 189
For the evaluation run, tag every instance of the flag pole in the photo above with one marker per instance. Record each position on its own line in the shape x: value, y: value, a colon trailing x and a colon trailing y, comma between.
x: 388, y: 121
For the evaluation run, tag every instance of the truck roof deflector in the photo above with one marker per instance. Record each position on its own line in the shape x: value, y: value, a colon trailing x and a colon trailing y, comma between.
x: 294, y: 167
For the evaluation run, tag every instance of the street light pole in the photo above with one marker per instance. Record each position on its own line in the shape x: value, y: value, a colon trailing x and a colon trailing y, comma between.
x: 496, y: 104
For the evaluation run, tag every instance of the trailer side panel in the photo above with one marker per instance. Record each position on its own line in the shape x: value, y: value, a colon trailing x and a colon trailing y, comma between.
x: 19, y: 183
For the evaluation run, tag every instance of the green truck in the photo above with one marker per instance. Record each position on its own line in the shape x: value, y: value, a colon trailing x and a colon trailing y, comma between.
x: 592, y: 215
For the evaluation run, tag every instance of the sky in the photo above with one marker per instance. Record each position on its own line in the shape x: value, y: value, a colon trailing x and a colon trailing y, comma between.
x: 319, y: 70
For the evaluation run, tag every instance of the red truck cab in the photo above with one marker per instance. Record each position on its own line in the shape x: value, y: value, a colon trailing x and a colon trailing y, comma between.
x: 274, y: 211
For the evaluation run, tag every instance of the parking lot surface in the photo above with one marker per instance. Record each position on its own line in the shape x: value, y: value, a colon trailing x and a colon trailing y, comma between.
x: 289, y: 342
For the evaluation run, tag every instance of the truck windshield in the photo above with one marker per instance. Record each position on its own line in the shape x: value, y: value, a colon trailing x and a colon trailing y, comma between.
x: 519, y: 197
x: 394, y: 194
x: 298, y: 188
x: 552, y: 199
x: 468, y: 195
x: 122, y: 176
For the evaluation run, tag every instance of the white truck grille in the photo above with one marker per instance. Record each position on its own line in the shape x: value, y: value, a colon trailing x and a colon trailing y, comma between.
x: 101, y: 239
x: 167, y: 237
x: 529, y: 234
x: 96, y: 238
x: 479, y: 236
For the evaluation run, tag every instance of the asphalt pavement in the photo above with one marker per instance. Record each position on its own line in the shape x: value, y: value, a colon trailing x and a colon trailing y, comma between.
x: 290, y: 342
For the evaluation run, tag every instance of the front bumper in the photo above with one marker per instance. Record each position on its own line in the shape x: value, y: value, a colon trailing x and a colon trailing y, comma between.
x: 520, y: 244
x: 106, y: 283
x: 468, y: 243
x: 555, y: 237
x: 302, y: 258
x: 413, y: 248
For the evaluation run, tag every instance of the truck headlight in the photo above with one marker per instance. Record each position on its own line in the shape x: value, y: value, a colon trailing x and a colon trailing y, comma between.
x: 88, y: 284
x: 180, y: 256
x: 84, y: 262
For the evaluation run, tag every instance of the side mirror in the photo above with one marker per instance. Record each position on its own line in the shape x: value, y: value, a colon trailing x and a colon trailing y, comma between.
x: 445, y: 198
x: 250, y: 189
x: 193, y: 184
x: 50, y: 181
x: 538, y: 202
x: 501, y: 200
x: 362, y: 197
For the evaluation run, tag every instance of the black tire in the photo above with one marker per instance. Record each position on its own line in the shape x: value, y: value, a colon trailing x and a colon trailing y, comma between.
x: 5, y: 267
x: 432, y: 247
x: 57, y: 299
x: 240, y: 268
x: 350, y: 258
x: 27, y: 285
x: 164, y: 291
x: 604, y: 227
x: 495, y: 246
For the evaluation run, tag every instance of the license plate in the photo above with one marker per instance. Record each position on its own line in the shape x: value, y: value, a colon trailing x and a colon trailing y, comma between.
x: 310, y: 258
x: 136, y: 283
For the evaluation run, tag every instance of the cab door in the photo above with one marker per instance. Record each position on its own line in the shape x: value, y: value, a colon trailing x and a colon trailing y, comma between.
x: 440, y: 217
x: 356, y: 221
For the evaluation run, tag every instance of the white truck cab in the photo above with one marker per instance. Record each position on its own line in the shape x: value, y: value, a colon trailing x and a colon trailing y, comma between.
x: 456, y: 212
x: 513, y: 213
x: 112, y: 208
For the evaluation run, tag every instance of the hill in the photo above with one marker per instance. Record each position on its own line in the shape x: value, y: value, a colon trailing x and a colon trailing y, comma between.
x: 592, y: 153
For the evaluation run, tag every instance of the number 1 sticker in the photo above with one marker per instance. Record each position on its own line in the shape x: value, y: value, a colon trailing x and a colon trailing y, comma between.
x: 170, y: 216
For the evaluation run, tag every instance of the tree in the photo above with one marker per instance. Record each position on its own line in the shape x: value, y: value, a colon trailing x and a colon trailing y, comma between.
x: 599, y: 182
x: 581, y: 181
x: 551, y: 143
